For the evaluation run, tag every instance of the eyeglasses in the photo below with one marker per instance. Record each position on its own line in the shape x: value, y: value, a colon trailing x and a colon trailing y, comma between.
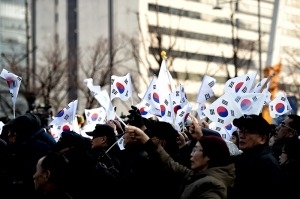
x: 282, y: 124
x: 246, y: 131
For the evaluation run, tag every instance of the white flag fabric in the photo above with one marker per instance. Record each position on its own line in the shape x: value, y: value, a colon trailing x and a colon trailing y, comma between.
x: 240, y: 84
x: 250, y: 103
x: 165, y: 83
x: 120, y: 143
x: 152, y: 97
x: 230, y: 128
x: 220, y: 129
x: 103, y: 99
x: 223, y: 110
x: 145, y: 109
x: 181, y: 117
x: 205, y: 91
x: 66, y: 115
x: 200, y: 110
x: 56, y: 130
x: 13, y: 82
x: 179, y: 99
x: 93, y: 89
x: 1, y: 127
x: 121, y: 87
x: 279, y: 106
x: 258, y: 87
x: 166, y: 110
x: 95, y: 116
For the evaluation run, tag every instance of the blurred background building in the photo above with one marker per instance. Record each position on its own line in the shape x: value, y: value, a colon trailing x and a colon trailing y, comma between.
x: 97, y: 38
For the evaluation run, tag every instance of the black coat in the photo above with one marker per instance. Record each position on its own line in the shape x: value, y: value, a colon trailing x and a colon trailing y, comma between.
x: 258, y: 174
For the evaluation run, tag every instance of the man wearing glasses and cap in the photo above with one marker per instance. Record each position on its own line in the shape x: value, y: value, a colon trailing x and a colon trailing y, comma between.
x: 258, y: 173
x: 288, y: 128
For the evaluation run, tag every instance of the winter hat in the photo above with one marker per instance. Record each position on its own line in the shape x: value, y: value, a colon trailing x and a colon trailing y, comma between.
x: 216, y: 149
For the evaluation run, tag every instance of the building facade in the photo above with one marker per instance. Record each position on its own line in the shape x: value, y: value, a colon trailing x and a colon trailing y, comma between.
x: 222, y: 39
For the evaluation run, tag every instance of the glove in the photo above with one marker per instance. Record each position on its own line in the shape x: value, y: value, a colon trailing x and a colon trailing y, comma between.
x: 135, y: 118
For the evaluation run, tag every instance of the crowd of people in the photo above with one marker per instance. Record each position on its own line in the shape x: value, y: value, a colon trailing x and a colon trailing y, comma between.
x: 261, y: 160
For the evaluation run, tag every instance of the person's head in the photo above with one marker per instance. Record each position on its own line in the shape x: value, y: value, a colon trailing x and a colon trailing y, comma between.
x: 164, y: 134
x: 289, y: 127
x: 210, y: 151
x: 70, y: 140
x: 24, y: 126
x: 51, y: 172
x: 103, y: 136
x: 235, y: 137
x: 290, y: 153
x: 253, y: 131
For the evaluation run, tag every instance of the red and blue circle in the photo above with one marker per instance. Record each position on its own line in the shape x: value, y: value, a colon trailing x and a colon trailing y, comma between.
x: 245, y: 104
x: 94, y: 116
x: 60, y: 113
x: 176, y: 108
x: 162, y: 110
x: 222, y: 111
x: 238, y: 86
x: 66, y: 128
x: 228, y: 127
x: 156, y: 97
x: 143, y: 111
x: 279, y: 107
x: 120, y: 87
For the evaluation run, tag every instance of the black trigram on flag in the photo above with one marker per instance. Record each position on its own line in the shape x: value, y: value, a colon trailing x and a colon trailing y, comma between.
x: 114, y: 91
x: 207, y: 96
x: 231, y: 84
x: 66, y: 117
x: 244, y: 90
x: 211, y: 84
x: 237, y: 99
x: 220, y: 120
x: 112, y: 81
x: 224, y: 102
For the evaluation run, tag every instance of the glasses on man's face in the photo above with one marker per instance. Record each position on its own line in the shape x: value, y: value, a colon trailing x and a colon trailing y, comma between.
x: 282, y: 124
x: 246, y: 131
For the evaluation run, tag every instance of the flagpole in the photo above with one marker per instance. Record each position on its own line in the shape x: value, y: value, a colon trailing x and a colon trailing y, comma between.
x: 164, y: 56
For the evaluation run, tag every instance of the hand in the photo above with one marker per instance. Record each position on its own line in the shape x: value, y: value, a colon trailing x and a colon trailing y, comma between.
x: 136, y: 134
x: 135, y: 117
x: 181, y: 139
x: 195, y: 128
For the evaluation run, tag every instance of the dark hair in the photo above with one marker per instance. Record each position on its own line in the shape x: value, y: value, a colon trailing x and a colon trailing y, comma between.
x: 236, y: 134
x: 58, y: 165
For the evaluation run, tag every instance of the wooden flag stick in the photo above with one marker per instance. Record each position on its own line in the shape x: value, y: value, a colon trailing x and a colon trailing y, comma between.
x: 266, y: 83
